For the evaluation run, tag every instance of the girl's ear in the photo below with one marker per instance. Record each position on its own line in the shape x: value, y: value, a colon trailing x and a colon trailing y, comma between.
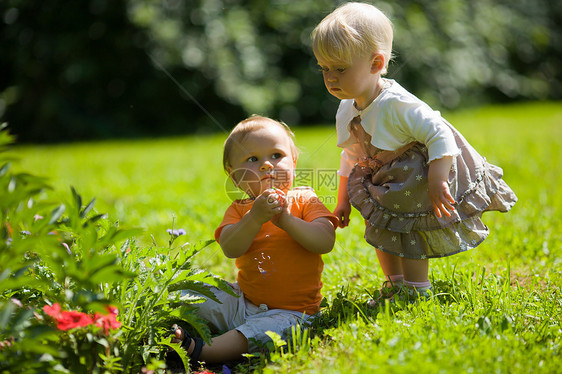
x: 377, y: 63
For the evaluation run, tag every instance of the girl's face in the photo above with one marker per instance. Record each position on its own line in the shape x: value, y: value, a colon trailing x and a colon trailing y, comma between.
x: 357, y: 80
x: 262, y: 160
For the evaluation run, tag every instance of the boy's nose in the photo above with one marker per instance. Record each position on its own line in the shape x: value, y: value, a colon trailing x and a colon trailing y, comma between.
x: 266, y: 166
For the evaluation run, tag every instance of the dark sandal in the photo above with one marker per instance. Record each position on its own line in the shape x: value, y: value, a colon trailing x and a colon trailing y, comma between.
x: 173, y: 357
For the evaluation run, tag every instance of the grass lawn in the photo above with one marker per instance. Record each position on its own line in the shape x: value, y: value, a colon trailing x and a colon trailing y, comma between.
x: 498, y: 306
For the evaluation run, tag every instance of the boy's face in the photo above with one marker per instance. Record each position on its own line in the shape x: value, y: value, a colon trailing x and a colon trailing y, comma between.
x: 356, y: 80
x: 262, y: 160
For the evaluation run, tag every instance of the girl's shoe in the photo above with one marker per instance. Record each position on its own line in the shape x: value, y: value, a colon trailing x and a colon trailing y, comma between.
x: 413, y: 295
x: 172, y: 357
x: 387, y: 292
x: 399, y: 293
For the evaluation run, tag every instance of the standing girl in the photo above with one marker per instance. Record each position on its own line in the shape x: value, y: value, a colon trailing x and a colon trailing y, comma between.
x: 417, y: 182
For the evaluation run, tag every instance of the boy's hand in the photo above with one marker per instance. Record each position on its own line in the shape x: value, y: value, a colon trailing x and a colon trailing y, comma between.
x: 283, y: 202
x: 269, y: 204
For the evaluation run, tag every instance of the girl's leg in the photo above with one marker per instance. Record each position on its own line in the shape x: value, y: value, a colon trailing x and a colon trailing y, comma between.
x: 415, y: 270
x: 416, y: 279
x: 391, y: 265
x: 394, y: 279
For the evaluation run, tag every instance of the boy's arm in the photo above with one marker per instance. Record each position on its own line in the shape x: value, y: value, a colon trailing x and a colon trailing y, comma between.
x: 236, y: 238
x: 317, y: 236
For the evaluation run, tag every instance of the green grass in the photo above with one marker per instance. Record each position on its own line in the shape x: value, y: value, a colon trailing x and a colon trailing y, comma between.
x: 499, y: 305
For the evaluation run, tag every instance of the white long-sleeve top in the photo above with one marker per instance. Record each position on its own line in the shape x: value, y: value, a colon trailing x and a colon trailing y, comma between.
x: 395, y: 118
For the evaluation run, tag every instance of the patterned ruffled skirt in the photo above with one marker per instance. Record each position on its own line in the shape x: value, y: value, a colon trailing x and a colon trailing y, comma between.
x: 394, y: 200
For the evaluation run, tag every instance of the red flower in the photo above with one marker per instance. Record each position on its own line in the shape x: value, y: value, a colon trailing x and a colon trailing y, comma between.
x: 53, y: 311
x: 112, y: 309
x: 108, y: 321
x: 67, y: 320
x: 72, y: 319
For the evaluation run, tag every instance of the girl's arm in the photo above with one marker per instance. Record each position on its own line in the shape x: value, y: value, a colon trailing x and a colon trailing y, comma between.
x: 349, y: 157
x: 235, y: 239
x: 317, y: 236
x: 439, y: 193
x: 343, y: 208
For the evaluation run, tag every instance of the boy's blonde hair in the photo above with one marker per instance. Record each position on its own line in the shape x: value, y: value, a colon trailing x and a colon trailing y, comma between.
x: 245, y: 127
x: 353, y: 29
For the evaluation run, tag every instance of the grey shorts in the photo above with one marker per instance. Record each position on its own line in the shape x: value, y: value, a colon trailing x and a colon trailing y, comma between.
x: 252, y: 321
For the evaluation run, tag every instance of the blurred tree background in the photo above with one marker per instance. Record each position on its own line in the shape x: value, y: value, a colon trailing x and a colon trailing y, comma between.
x: 92, y: 69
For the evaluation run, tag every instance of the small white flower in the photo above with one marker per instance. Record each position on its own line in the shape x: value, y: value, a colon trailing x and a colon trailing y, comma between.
x: 405, y: 168
x: 407, y: 193
x: 412, y: 242
x: 394, y: 238
x: 419, y: 205
x: 423, y: 257
x: 401, y: 254
x: 385, y: 216
x: 419, y: 177
x: 396, y: 206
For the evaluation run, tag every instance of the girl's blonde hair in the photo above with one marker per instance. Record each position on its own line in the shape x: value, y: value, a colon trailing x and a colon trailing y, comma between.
x: 247, y: 126
x: 353, y: 29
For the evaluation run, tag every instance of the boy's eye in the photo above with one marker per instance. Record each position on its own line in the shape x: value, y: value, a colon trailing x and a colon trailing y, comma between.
x: 323, y: 69
x: 277, y: 155
x: 252, y: 159
x: 340, y: 70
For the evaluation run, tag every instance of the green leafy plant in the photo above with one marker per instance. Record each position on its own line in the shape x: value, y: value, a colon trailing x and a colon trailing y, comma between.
x: 63, y: 267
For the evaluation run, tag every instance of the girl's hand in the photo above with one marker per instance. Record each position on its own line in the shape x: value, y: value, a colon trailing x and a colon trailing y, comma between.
x: 439, y: 193
x: 441, y: 198
x: 267, y: 205
x: 342, y: 211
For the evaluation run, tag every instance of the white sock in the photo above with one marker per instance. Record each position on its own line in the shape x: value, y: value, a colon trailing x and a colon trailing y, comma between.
x: 396, y: 280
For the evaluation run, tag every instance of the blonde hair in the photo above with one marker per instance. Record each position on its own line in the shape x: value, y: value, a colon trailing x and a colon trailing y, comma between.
x: 353, y: 29
x: 247, y: 126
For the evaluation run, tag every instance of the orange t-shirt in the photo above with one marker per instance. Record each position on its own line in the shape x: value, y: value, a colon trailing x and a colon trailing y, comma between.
x: 276, y: 270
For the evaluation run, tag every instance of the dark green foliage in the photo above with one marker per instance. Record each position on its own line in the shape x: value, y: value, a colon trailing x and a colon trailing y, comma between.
x: 69, y: 255
x: 77, y: 71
